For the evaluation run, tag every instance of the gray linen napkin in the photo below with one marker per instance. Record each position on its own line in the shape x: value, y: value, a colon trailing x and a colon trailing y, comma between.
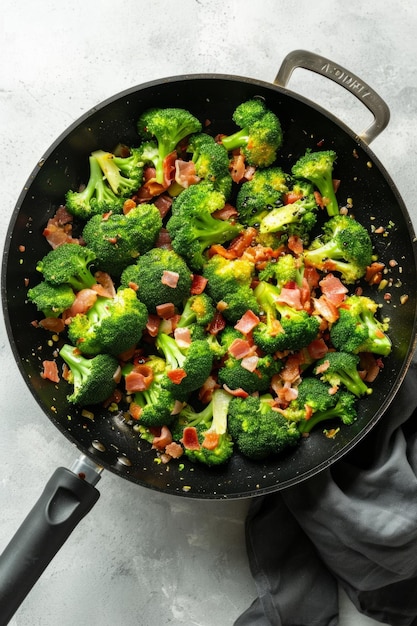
x: 355, y: 523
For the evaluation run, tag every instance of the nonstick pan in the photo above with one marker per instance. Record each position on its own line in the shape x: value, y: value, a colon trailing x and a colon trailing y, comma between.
x: 108, y: 441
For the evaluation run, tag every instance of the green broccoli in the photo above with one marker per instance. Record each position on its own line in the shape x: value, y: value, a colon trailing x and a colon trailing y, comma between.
x: 193, y: 228
x: 258, y: 430
x: 68, y: 264
x: 285, y: 269
x: 119, y: 239
x: 187, y: 368
x: 160, y: 276
x: 166, y: 126
x: 51, y: 300
x: 296, y: 217
x: 234, y: 375
x: 317, y: 167
x: 358, y: 329
x: 156, y: 403
x: 313, y: 396
x: 96, y: 197
x: 341, y: 369
x: 285, y: 327
x: 124, y: 174
x: 344, y: 246
x: 259, y: 195
x: 198, y: 309
x: 209, y: 428
x: 111, y: 325
x: 211, y: 162
x: 93, y: 380
x: 260, y: 134
x: 343, y: 409
x: 229, y: 283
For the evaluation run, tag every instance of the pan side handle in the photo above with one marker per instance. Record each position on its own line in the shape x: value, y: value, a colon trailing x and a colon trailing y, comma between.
x: 338, y: 74
x: 66, y: 499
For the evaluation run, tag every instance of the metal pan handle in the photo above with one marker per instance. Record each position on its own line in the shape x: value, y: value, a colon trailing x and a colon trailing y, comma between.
x: 66, y: 499
x: 338, y: 74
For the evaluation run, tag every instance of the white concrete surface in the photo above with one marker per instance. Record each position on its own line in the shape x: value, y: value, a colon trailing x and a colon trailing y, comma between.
x: 142, y: 558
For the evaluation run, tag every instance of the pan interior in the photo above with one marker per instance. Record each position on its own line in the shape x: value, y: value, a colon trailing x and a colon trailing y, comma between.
x: 108, y: 439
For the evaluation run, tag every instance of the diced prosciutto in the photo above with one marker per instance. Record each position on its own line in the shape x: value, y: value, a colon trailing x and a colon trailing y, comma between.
x: 165, y: 310
x: 84, y: 300
x: 240, y: 348
x: 50, y: 371
x: 190, y: 438
x: 162, y: 440
x: 291, y: 297
x: 174, y: 449
x: 163, y: 204
x: 183, y: 337
x: 247, y: 322
x: 198, y: 284
x: 170, y: 279
x: 250, y: 363
x: 185, y: 174
x: 139, y: 378
x: 59, y: 228
x: 333, y: 288
x: 326, y: 309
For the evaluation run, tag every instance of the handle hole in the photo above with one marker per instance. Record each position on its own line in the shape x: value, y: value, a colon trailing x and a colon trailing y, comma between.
x: 331, y: 97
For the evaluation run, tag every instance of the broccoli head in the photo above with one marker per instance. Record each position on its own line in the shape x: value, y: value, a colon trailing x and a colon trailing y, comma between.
x: 211, y: 162
x: 285, y: 269
x: 358, y: 329
x: 167, y: 127
x: 235, y: 375
x: 343, y: 408
x: 344, y: 246
x: 193, y: 228
x: 341, y: 369
x: 204, y: 434
x: 93, y: 379
x: 284, y: 327
x: 260, y: 134
x: 317, y: 167
x: 198, y: 309
x: 259, y: 195
x: 68, y: 264
x: 187, y: 367
x: 153, y: 406
x: 119, y: 239
x: 258, y: 430
x: 123, y: 174
x: 96, y: 198
x: 229, y: 283
x: 111, y: 325
x: 159, y: 276
x: 51, y: 300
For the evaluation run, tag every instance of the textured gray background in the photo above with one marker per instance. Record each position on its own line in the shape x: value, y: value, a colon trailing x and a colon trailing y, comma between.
x: 142, y: 558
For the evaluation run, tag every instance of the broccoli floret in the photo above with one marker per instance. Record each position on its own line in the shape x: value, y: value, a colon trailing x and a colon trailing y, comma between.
x: 263, y: 193
x: 344, y: 408
x: 156, y: 403
x: 111, y: 325
x: 160, y: 276
x: 51, y: 300
x: 96, y: 198
x: 340, y: 369
x: 166, y: 126
x: 68, y: 264
x: 119, y: 239
x: 344, y: 246
x: 358, y: 329
x: 258, y: 430
x: 198, y: 309
x: 229, y: 283
x: 317, y: 167
x: 193, y: 228
x: 235, y: 376
x: 285, y: 327
x: 211, y: 162
x: 215, y: 445
x: 260, y: 134
x: 313, y: 395
x: 93, y: 380
x: 286, y: 269
x: 297, y: 216
x: 124, y: 174
x: 187, y: 368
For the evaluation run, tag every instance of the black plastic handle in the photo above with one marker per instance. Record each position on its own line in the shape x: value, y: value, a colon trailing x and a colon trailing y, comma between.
x: 66, y: 499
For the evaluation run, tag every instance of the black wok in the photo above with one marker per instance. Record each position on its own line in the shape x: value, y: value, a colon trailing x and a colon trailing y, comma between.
x: 107, y: 441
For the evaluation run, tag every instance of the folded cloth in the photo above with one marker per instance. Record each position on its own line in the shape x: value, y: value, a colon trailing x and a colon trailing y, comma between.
x: 354, y: 524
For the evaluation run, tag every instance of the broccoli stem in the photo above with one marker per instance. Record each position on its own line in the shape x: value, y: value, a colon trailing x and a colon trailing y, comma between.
x: 236, y: 140
x: 173, y: 355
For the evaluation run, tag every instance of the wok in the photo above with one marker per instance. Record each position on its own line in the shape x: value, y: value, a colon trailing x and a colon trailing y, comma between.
x: 107, y: 441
